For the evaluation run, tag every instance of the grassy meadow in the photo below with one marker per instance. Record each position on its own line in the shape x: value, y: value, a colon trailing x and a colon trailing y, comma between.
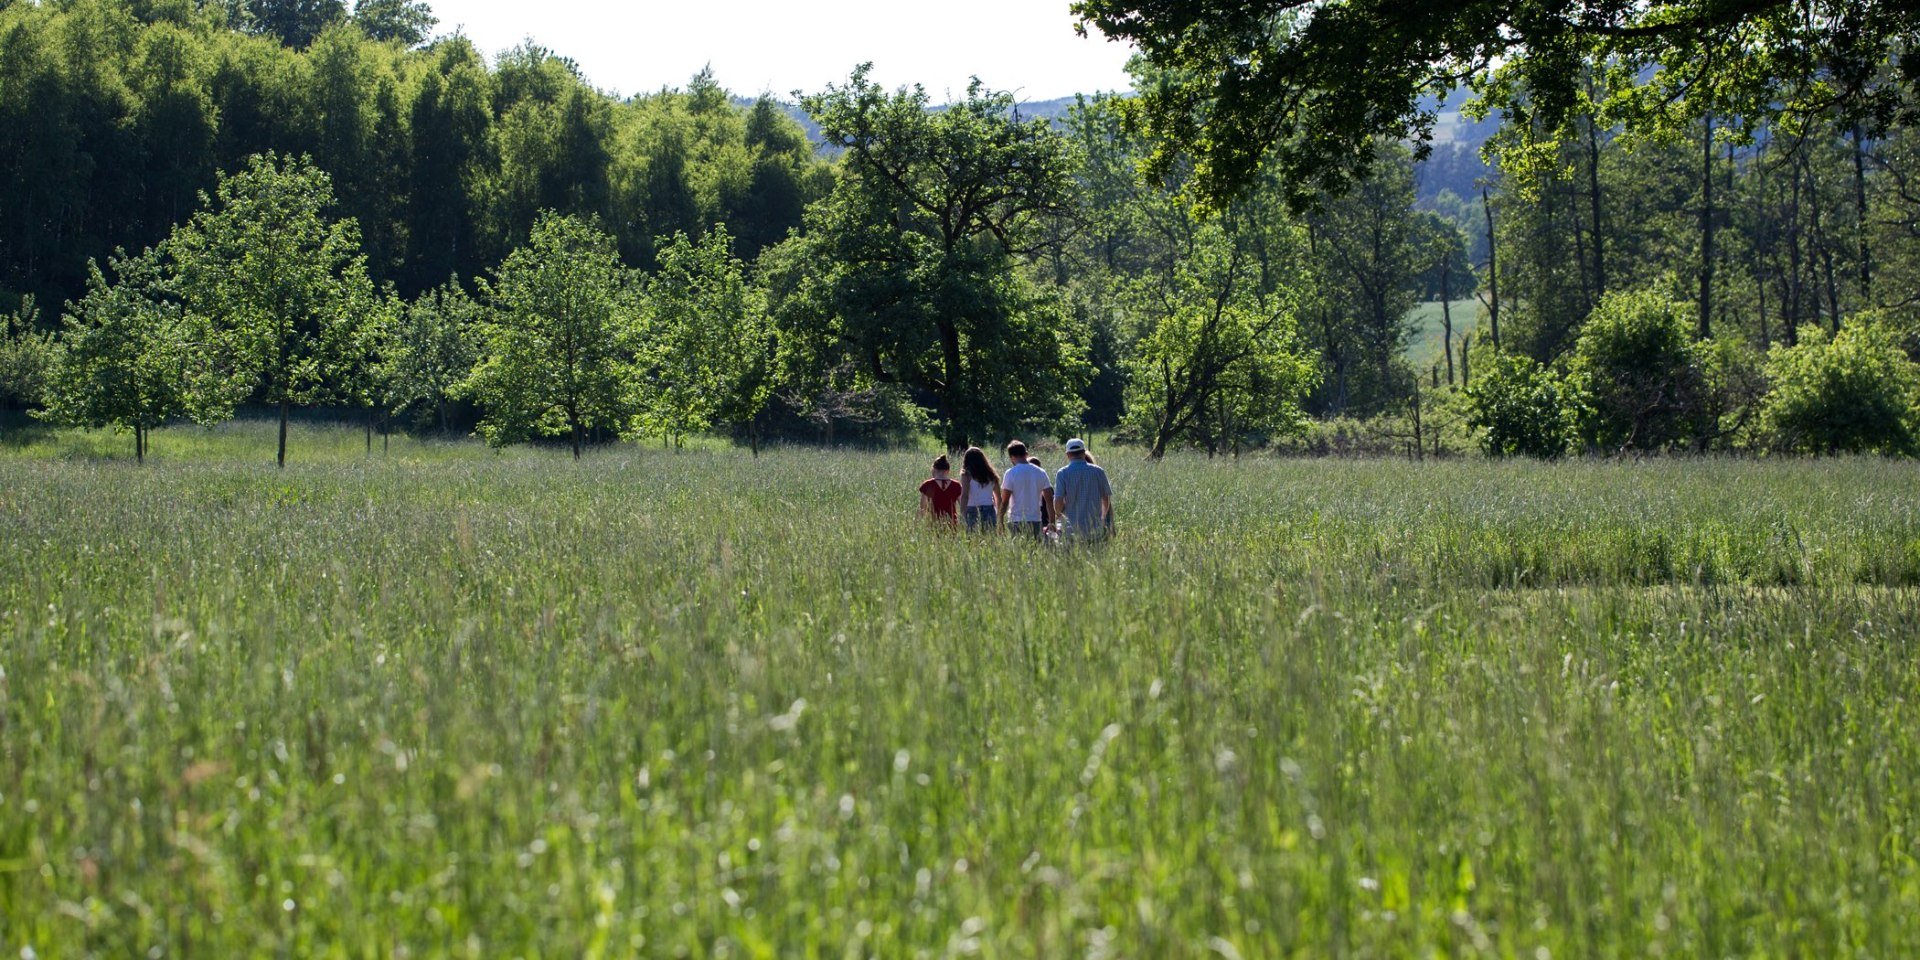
x: 450, y: 702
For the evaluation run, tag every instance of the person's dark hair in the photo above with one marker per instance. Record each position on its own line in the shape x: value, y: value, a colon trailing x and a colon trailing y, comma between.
x: 1016, y: 449
x: 940, y: 463
x: 974, y: 462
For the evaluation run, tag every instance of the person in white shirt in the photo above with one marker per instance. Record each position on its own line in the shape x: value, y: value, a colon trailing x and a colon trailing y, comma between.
x: 1026, y: 495
x: 980, y: 487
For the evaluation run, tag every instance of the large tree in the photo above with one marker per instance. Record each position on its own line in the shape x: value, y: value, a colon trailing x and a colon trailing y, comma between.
x: 1315, y: 84
x: 914, y: 262
x: 1369, y: 248
x: 279, y: 282
x: 1219, y: 358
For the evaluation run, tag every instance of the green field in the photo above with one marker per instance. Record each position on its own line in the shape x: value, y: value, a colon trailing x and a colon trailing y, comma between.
x: 452, y: 702
x: 1424, y: 347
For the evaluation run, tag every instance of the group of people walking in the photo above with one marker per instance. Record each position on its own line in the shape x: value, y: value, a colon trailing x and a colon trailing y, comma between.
x: 1076, y: 503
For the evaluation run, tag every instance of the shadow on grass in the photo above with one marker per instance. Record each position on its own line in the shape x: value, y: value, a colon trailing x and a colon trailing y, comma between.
x: 19, y: 429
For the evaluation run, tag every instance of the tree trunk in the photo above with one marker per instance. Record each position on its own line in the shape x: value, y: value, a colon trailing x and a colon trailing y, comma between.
x: 1820, y: 254
x: 1163, y: 432
x: 1493, y: 271
x: 1706, y: 229
x: 1383, y: 329
x: 950, y: 366
x: 1860, y: 201
x: 1833, y: 287
x: 139, y: 444
x: 1446, y: 310
x: 1793, y: 299
x: 1216, y: 434
x: 1419, y: 441
x: 283, y: 433
x: 1593, y: 202
x: 1466, y: 347
x: 1587, y: 296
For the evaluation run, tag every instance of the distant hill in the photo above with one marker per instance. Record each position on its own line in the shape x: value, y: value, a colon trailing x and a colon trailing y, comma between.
x: 1455, y: 163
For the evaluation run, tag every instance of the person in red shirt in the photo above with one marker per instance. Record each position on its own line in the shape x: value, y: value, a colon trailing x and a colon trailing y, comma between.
x: 940, y: 495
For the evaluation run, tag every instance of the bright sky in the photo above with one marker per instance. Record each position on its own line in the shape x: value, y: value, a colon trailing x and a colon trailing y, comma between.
x: 1026, y: 46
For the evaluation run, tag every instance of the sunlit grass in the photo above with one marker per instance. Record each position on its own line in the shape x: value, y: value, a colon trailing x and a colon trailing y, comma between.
x: 446, y: 701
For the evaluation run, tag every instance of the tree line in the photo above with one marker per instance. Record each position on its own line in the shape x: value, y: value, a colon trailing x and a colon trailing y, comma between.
x: 449, y: 244
x: 120, y: 113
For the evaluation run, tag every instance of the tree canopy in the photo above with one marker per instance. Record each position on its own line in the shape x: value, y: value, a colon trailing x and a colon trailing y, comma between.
x: 911, y: 265
x: 1312, y: 85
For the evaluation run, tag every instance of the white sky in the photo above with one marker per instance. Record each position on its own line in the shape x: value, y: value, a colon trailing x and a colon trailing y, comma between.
x: 638, y: 46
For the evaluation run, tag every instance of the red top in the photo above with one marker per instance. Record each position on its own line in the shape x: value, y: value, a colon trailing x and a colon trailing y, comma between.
x: 944, y: 495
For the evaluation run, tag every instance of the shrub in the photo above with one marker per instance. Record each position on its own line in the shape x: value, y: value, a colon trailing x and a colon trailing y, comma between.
x: 1857, y: 392
x: 24, y: 353
x: 1736, y: 384
x: 1635, y: 377
x: 1520, y: 405
x: 1901, y: 323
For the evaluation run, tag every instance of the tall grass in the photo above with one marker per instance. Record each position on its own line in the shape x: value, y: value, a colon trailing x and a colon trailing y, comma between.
x: 455, y: 702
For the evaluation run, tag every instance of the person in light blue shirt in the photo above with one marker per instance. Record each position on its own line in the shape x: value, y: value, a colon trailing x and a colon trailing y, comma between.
x: 1082, y: 496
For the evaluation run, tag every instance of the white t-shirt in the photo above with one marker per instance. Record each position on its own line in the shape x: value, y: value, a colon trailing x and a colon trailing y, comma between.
x: 1024, y: 482
x: 978, y: 494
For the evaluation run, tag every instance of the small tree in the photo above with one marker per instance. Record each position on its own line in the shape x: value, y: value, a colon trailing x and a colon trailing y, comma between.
x: 282, y: 289
x: 1635, y: 376
x: 361, y: 367
x: 431, y: 353
x: 755, y: 374
x: 1520, y: 406
x: 558, y: 323
x: 1854, y: 393
x: 25, y: 352
x: 707, y: 350
x: 125, y: 358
